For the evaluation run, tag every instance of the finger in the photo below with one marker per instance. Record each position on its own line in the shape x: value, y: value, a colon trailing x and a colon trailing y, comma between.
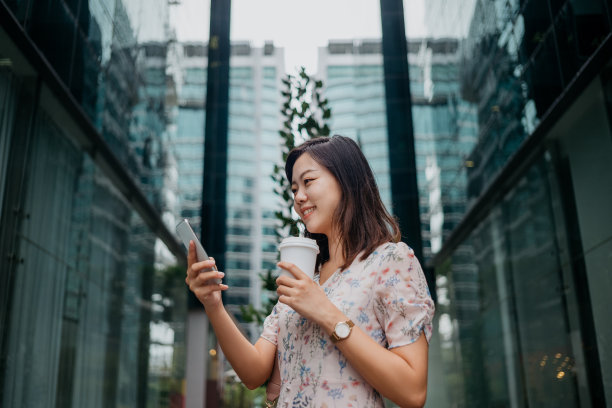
x: 193, y: 274
x: 191, y: 254
x: 202, y: 292
x: 285, y: 299
x: 204, y: 278
x: 191, y: 260
x: 285, y: 280
x: 198, y: 284
x: 210, y: 258
x: 197, y: 267
x: 208, y: 289
x: 203, y: 265
x: 285, y: 291
x: 293, y: 269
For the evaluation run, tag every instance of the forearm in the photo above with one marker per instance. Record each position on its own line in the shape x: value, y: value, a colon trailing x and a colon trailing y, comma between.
x: 249, y: 362
x: 390, y: 374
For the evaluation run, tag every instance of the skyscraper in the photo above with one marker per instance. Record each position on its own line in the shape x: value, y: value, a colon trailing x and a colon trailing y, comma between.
x: 522, y: 270
x: 81, y: 164
x: 444, y: 124
x: 254, y: 147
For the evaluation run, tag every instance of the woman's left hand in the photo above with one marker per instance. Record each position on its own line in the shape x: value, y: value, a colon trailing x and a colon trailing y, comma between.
x: 303, y: 294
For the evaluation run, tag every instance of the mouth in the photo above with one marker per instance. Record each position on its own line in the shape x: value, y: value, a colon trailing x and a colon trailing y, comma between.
x: 307, y: 212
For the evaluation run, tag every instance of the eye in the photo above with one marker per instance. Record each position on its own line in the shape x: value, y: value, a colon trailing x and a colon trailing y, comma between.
x: 306, y: 181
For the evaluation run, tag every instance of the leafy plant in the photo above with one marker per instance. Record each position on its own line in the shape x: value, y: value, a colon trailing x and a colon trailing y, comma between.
x: 305, y: 116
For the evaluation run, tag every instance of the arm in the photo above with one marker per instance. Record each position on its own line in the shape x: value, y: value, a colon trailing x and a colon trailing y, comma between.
x: 399, y: 374
x: 252, y: 363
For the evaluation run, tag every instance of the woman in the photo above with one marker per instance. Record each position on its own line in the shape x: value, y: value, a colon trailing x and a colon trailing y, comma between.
x: 361, y: 328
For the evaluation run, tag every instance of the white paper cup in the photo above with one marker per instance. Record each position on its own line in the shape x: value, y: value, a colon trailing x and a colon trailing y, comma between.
x: 299, y: 251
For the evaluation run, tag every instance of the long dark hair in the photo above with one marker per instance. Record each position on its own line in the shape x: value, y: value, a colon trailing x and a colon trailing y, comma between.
x: 361, y: 218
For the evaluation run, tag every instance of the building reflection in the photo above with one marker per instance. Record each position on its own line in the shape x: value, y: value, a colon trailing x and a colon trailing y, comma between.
x: 512, y: 128
x: 516, y: 319
x: 106, y: 323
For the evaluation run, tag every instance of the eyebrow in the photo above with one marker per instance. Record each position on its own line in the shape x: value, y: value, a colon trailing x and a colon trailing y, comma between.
x: 302, y: 175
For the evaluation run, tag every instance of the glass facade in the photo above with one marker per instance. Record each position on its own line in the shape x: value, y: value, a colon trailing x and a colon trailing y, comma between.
x: 253, y: 148
x: 89, y: 310
x: 353, y: 79
x: 188, y: 143
x: 520, y: 279
x: 444, y: 124
x: 519, y: 57
x: 93, y: 305
x: 102, y: 121
x: 509, y: 313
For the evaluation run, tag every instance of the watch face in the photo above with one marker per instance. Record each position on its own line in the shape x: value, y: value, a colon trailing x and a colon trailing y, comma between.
x: 343, y: 330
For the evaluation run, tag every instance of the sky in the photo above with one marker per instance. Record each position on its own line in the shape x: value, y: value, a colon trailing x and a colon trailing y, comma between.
x: 300, y: 27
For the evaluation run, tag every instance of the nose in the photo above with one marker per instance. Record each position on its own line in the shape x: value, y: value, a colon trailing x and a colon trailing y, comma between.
x: 299, y: 197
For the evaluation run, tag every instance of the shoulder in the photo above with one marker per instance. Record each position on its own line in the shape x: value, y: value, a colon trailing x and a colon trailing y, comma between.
x: 398, y: 248
x: 388, y: 254
x: 395, y: 252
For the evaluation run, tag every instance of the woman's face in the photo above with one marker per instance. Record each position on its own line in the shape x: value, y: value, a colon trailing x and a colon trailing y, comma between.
x: 316, y: 194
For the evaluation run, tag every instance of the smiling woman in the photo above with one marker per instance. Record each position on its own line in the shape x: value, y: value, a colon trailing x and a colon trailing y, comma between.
x: 316, y: 195
x: 344, y: 181
x: 360, y: 329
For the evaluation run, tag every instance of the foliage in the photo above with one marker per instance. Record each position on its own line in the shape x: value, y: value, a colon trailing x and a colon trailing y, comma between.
x: 237, y: 395
x: 305, y: 115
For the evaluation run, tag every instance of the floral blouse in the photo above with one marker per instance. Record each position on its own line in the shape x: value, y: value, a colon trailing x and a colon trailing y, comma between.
x: 386, y: 295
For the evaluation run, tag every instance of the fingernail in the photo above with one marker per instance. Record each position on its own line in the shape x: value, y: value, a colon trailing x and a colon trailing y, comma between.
x: 221, y: 274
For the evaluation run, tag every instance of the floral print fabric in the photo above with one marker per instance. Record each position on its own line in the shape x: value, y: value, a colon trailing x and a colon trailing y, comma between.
x: 386, y: 295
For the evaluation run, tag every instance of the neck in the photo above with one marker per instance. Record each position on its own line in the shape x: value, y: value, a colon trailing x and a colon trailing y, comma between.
x: 336, y: 255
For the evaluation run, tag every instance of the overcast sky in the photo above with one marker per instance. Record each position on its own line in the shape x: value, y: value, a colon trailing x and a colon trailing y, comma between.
x: 301, y: 26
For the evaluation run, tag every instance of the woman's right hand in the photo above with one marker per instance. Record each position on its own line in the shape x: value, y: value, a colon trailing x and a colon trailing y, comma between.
x: 201, y: 283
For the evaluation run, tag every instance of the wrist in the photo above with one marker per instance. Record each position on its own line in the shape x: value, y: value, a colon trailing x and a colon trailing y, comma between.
x: 342, y: 331
x: 331, y: 319
x: 213, y: 310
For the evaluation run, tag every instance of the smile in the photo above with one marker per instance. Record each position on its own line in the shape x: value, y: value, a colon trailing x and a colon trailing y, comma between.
x: 307, y: 212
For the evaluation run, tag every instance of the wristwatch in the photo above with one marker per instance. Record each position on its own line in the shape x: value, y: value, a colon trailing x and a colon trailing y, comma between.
x: 342, y: 331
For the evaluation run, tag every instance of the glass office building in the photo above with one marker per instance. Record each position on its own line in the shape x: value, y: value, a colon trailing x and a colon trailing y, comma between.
x: 253, y: 149
x: 188, y: 139
x: 92, y: 304
x: 352, y: 74
x: 444, y: 124
x: 524, y: 183
x: 522, y: 280
x: 100, y: 108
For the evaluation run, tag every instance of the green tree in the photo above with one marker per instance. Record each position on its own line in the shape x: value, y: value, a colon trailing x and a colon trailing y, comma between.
x: 305, y: 116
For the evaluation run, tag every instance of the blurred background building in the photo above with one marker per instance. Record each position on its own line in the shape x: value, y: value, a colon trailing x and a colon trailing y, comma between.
x: 102, y: 128
x: 521, y: 318
x: 92, y: 306
x: 444, y: 125
x: 254, y: 147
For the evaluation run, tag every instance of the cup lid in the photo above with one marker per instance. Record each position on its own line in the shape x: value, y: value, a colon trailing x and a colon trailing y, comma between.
x: 299, y: 241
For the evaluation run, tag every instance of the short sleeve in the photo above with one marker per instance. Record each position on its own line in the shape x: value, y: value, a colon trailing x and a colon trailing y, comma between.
x: 271, y: 328
x: 404, y: 306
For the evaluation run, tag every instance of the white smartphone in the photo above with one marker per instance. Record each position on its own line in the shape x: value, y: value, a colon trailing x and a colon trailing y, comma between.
x: 185, y: 232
